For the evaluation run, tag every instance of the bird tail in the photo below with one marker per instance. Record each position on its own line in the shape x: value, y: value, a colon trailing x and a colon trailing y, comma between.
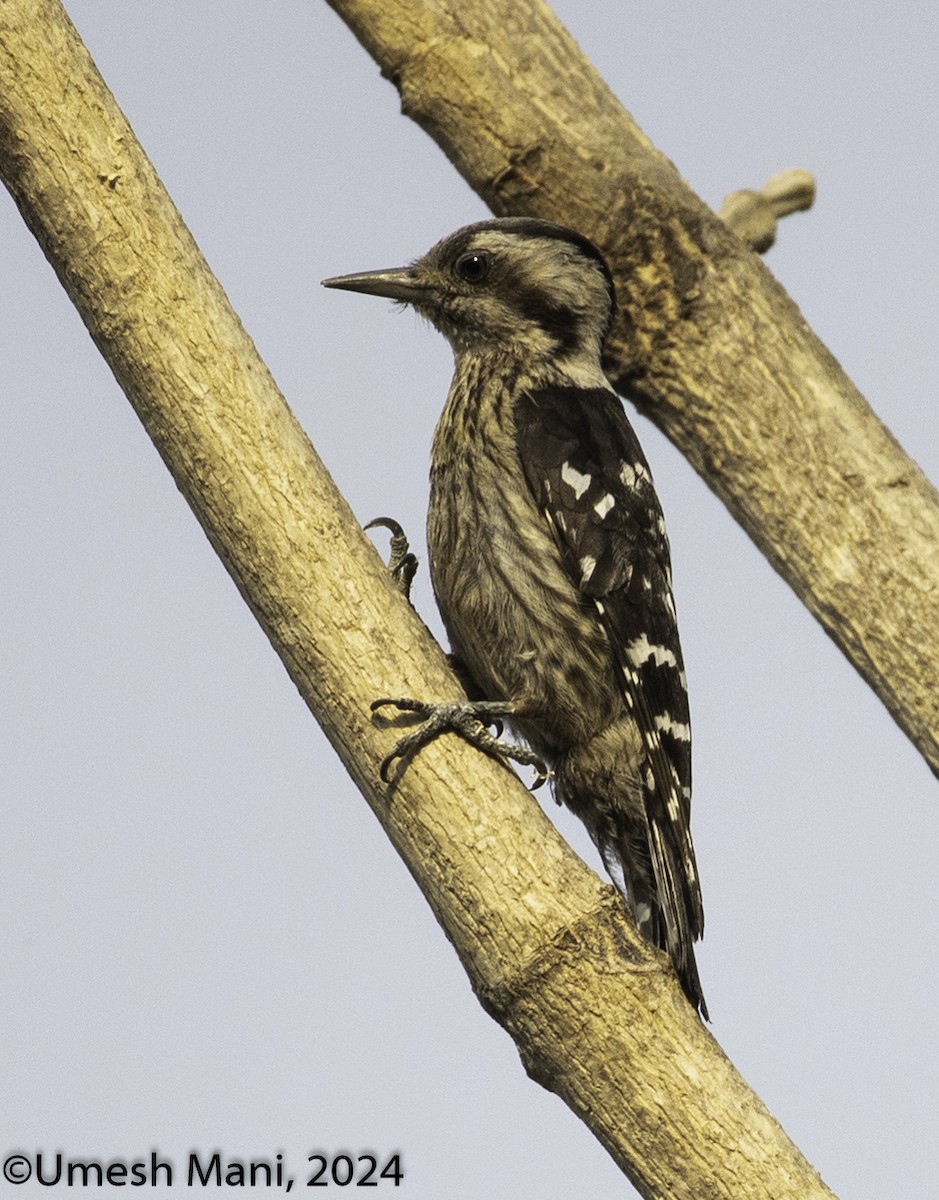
x: 678, y: 911
x: 639, y: 851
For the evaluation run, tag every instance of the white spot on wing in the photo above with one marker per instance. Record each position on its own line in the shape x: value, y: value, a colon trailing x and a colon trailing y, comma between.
x: 678, y: 729
x: 587, y: 566
x: 575, y: 480
x: 641, y: 650
x: 633, y: 473
x: 603, y: 505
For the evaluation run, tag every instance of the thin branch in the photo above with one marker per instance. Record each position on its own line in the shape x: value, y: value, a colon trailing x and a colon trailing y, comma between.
x: 753, y: 216
x: 596, y: 1013
x: 707, y: 344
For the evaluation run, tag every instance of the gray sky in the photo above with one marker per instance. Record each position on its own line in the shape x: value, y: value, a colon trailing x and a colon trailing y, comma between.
x: 207, y: 941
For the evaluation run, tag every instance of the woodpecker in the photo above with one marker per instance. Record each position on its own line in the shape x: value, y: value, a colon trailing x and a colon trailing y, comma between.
x: 549, y: 558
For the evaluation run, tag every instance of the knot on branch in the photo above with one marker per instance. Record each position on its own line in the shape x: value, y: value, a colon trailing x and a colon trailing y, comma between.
x: 602, y: 936
x: 753, y: 215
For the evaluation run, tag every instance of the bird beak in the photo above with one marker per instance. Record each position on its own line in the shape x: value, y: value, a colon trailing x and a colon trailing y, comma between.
x: 400, y: 283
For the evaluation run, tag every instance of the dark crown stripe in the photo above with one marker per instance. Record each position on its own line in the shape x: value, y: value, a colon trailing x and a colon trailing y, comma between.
x: 534, y: 227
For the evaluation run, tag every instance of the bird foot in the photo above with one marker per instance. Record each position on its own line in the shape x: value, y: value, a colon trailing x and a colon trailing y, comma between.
x: 401, y: 563
x: 467, y: 718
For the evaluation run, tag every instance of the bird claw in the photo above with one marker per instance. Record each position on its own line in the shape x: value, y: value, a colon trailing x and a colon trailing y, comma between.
x: 401, y: 562
x: 467, y: 718
x: 542, y: 775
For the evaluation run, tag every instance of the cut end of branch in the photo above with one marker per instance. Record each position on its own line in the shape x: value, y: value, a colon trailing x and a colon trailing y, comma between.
x: 753, y: 215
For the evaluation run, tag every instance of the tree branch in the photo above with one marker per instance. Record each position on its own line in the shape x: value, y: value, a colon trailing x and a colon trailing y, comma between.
x: 707, y: 343
x: 753, y: 215
x: 596, y: 1013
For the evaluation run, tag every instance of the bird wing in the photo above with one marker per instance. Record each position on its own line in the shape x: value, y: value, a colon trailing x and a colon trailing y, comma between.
x: 589, y: 476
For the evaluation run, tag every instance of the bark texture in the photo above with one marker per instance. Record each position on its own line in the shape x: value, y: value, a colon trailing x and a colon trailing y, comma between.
x: 596, y: 1013
x: 707, y: 344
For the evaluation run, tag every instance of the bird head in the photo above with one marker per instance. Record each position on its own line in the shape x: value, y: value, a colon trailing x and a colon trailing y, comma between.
x: 515, y: 285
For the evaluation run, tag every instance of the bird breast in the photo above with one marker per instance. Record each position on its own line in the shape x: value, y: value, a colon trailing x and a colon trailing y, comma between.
x: 514, y: 615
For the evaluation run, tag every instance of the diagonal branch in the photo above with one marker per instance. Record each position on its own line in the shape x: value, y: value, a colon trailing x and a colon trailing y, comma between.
x: 707, y: 344
x: 595, y: 1012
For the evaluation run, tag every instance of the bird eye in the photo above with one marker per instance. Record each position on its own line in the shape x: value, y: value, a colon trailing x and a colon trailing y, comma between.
x: 473, y: 267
